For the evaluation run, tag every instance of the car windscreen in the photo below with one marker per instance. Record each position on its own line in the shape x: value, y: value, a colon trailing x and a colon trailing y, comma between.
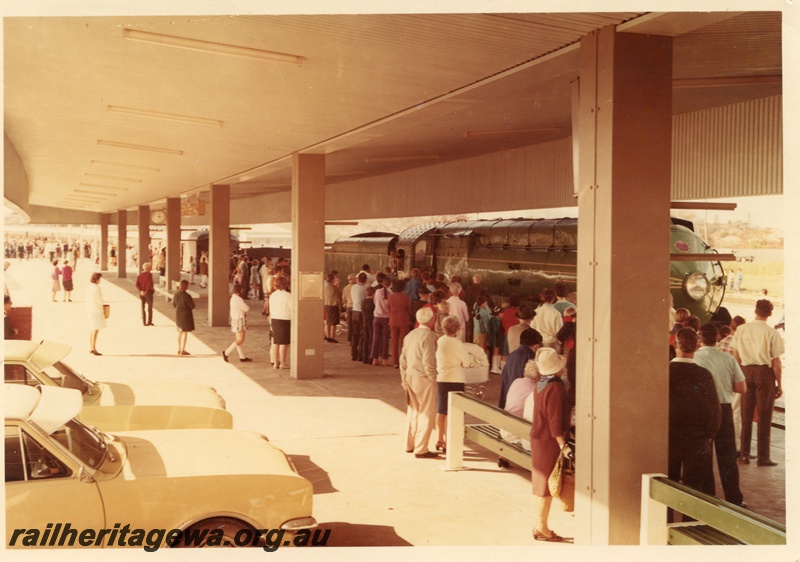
x: 65, y: 377
x: 86, y: 443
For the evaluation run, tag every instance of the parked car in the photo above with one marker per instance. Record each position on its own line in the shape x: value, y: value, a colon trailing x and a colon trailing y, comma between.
x: 145, y: 487
x: 114, y: 406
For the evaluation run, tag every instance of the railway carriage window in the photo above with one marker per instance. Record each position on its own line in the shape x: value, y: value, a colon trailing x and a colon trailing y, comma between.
x: 15, y: 469
x: 40, y: 462
x: 420, y: 249
x: 18, y: 374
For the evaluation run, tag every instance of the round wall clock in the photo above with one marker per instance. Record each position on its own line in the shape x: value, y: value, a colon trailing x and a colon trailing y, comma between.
x: 158, y: 217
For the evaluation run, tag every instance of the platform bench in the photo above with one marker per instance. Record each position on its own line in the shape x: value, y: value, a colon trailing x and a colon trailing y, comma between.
x: 486, y: 435
x: 717, y: 521
x: 164, y: 292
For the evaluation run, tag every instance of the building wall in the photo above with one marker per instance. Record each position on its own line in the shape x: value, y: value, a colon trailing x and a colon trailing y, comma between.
x: 729, y: 151
x: 538, y: 176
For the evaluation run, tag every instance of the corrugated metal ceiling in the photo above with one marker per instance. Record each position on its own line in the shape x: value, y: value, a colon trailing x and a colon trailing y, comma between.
x: 371, y: 90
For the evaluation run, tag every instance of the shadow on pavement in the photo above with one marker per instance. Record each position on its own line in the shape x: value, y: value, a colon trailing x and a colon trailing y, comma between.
x: 351, y: 534
x: 314, y: 473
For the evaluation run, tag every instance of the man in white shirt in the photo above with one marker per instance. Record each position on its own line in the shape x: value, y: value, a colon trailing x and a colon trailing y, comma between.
x: 418, y: 378
x: 366, y: 270
x: 548, y: 320
x: 758, y: 348
x: 358, y: 293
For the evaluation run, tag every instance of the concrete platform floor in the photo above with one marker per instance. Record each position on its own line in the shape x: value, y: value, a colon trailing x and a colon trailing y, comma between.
x: 342, y: 431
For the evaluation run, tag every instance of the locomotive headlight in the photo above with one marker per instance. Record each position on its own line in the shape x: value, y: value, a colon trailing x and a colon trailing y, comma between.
x: 695, y: 285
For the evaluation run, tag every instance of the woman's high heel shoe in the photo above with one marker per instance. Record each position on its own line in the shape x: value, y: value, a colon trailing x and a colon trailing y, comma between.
x: 441, y: 446
x: 552, y: 537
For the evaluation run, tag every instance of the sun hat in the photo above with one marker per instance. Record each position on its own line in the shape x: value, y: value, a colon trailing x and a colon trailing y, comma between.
x: 549, y: 361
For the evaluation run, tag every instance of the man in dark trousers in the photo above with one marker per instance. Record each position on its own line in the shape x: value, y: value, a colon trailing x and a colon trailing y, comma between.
x: 758, y: 348
x: 367, y: 316
x: 729, y: 381
x: 694, y: 417
x: 146, y: 289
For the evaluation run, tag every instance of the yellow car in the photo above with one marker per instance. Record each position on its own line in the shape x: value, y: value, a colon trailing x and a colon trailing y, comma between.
x: 114, y: 406
x: 69, y: 484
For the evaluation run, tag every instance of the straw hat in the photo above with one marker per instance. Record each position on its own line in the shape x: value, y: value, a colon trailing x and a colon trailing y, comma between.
x: 549, y: 361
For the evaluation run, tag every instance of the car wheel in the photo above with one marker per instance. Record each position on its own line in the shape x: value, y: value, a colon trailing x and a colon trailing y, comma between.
x: 219, y: 531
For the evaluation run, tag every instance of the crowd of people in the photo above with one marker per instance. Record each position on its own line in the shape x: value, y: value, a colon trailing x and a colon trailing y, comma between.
x: 43, y: 247
x: 712, y: 365
x: 433, y: 330
x: 721, y: 374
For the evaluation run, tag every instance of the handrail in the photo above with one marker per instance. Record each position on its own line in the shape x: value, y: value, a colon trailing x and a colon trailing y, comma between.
x: 658, y: 493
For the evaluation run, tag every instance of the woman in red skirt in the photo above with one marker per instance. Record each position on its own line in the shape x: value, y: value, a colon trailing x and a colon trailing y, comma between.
x: 549, y: 428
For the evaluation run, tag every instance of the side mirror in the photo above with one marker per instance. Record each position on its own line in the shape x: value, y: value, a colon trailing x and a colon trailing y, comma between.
x: 85, y: 477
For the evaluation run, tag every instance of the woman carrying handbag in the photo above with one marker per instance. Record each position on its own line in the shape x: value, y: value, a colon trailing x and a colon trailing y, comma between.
x: 551, y: 416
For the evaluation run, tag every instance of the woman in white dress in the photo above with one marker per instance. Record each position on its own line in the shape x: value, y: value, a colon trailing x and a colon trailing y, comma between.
x: 238, y: 313
x: 94, y: 311
x: 458, y: 308
x: 451, y: 359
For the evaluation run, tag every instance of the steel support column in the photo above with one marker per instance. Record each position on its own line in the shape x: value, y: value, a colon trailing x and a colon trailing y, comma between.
x: 308, y: 263
x: 122, y: 243
x: 625, y: 118
x: 144, y: 235
x: 103, y: 248
x: 173, y: 240
x: 219, y: 249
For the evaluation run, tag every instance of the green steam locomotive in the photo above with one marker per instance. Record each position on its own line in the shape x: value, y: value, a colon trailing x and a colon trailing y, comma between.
x: 523, y: 256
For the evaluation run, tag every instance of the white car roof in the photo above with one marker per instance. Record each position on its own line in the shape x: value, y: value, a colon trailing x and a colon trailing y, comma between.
x: 42, y: 354
x: 49, y: 407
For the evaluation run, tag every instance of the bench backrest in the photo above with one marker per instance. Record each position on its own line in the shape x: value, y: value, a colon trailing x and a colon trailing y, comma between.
x: 491, y: 414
